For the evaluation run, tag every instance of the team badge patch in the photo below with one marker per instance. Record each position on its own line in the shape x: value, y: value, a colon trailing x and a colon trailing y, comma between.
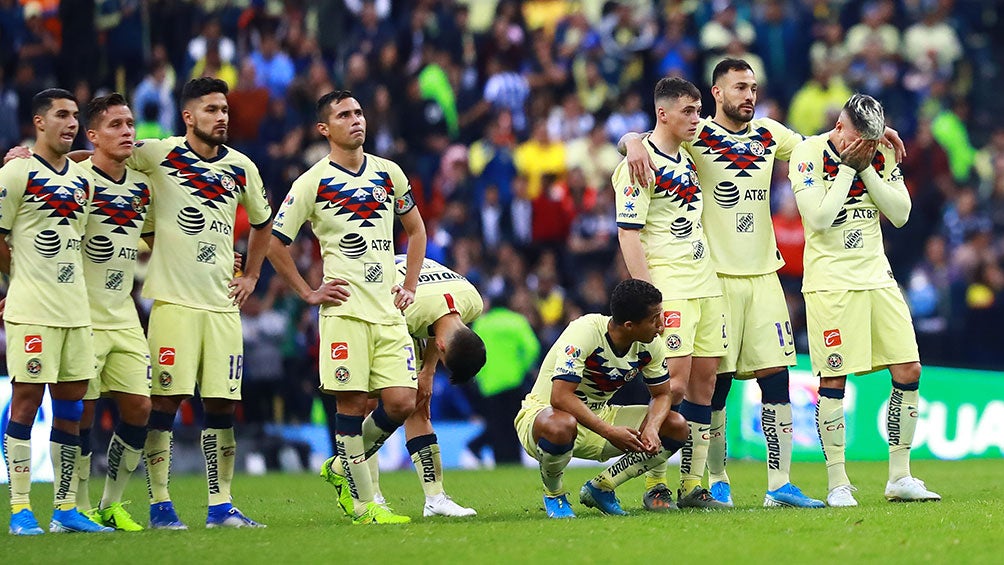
x: 227, y: 182
x: 165, y: 379
x: 673, y: 342
x: 342, y: 374
x: 630, y: 375
x: 834, y: 361
x: 80, y: 196
x: 756, y: 148
x: 33, y: 366
x: 379, y: 194
x: 137, y: 204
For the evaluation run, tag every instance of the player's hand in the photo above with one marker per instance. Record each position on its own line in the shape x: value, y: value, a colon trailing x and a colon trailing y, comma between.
x: 891, y: 140
x: 238, y: 263
x: 403, y: 298
x: 650, y: 440
x: 423, y: 401
x: 16, y: 152
x: 625, y: 439
x: 640, y: 163
x: 335, y: 291
x: 859, y: 154
x: 241, y: 288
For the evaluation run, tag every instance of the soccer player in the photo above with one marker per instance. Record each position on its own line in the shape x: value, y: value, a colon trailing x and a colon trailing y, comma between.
x: 567, y: 413
x: 350, y: 199
x: 445, y: 302
x: 661, y: 238
x: 111, y: 240
x: 195, y: 328
x: 858, y: 321
x: 43, y: 214
x: 734, y: 155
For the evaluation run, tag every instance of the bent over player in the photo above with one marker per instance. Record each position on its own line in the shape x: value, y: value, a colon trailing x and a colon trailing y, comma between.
x: 567, y: 412
x: 858, y: 321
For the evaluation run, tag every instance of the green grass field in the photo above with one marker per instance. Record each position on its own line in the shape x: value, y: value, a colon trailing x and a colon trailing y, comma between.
x: 306, y: 527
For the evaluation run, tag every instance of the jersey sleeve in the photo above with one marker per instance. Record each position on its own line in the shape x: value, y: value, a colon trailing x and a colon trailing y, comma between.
x: 786, y: 138
x: 255, y: 199
x: 656, y: 371
x: 570, y: 363
x: 12, y: 185
x: 146, y: 155
x: 404, y: 200
x: 294, y: 211
x: 888, y: 190
x: 631, y: 200
x: 817, y: 204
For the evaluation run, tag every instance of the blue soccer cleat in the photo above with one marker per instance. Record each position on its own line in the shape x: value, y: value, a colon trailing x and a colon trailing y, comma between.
x: 558, y: 506
x: 73, y: 521
x: 226, y: 516
x: 722, y: 492
x: 789, y: 495
x: 603, y: 500
x: 163, y: 517
x: 24, y: 524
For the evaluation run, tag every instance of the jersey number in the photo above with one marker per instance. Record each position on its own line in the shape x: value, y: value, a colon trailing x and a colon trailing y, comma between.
x: 784, y: 336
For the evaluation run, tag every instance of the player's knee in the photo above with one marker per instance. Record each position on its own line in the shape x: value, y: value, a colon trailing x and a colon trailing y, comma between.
x: 136, y: 411
x: 907, y: 373
x: 675, y: 427
x: 69, y: 410
x: 559, y: 427
x: 399, y: 408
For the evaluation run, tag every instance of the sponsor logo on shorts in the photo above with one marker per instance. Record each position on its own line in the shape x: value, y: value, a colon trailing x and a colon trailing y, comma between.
x: 671, y: 319
x: 33, y: 366
x: 831, y: 338
x: 673, y: 342
x: 342, y: 374
x: 373, y: 272
x: 32, y: 344
x: 572, y: 351
x: 339, y: 351
x: 165, y: 379
x: 166, y: 356
x: 834, y: 361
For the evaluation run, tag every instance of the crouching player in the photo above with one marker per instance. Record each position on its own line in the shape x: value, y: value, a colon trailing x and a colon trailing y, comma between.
x: 857, y: 319
x: 567, y: 413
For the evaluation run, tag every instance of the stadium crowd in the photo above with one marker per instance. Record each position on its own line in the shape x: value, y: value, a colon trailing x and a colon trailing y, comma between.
x: 505, y: 117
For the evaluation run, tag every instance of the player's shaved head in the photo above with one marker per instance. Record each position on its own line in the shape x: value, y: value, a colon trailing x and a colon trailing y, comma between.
x: 199, y: 87
x: 41, y: 102
x: 865, y: 114
x: 98, y: 107
x: 674, y: 88
x: 324, y: 103
x: 632, y: 300
x: 465, y: 355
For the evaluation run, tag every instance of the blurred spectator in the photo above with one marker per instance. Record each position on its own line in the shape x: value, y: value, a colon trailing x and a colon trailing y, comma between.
x: 435, y: 85
x: 875, y: 25
x: 625, y: 33
x: 155, y: 90
x: 964, y: 218
x: 538, y: 156
x: 507, y: 90
x: 592, y: 90
x: 569, y: 120
x: 212, y: 65
x: 273, y: 67
x: 10, y: 134
x: 829, y: 50
x: 988, y: 161
x: 781, y: 48
x: 630, y: 116
x: 595, y: 155
x: 248, y: 106
x: 724, y: 27
x: 929, y: 293
x: 121, y: 24
x: 932, y: 43
x: 790, y: 242
x: 212, y: 33
x: 950, y: 131
x: 816, y: 105
x: 148, y: 124
x: 39, y: 47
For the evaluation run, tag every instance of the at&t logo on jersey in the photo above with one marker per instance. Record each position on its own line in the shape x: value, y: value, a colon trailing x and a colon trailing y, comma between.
x: 681, y: 228
x: 339, y: 351
x: 726, y: 194
x: 831, y: 338
x: 166, y: 356
x: 32, y: 344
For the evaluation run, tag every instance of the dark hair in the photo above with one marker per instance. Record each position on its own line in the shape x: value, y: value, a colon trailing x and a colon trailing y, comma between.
x: 465, y: 355
x: 41, y: 102
x: 102, y: 104
x: 673, y: 88
x: 632, y: 300
x: 729, y: 64
x: 199, y: 87
x: 324, y: 103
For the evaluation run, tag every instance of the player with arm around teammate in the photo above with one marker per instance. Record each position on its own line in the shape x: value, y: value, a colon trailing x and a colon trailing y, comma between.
x: 567, y: 413
x: 858, y: 321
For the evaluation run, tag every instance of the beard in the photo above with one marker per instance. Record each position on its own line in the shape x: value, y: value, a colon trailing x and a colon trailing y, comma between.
x: 208, y: 137
x: 734, y: 112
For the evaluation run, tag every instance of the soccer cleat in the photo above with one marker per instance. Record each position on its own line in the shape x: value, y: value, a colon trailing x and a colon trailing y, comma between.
x: 909, y: 489
x: 163, y: 517
x: 24, y: 524
x: 699, y: 497
x: 789, y: 495
x: 376, y: 514
x: 443, y: 505
x: 722, y: 492
x: 94, y: 515
x: 73, y: 521
x: 841, y: 497
x: 603, y: 500
x: 115, y: 516
x: 558, y: 506
x: 227, y: 516
x: 659, y: 499
x: 341, y: 485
